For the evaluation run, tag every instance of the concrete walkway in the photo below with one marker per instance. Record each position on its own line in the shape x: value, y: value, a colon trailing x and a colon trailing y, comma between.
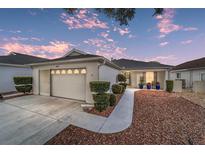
x: 121, y: 117
x: 119, y: 120
x: 36, y: 119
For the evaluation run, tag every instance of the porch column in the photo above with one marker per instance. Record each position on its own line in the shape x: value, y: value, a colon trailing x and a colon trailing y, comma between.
x: 133, y: 79
x: 166, y: 78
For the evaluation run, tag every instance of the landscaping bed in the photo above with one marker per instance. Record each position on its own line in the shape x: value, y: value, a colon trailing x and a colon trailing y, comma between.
x: 109, y: 109
x: 197, y: 98
x: 158, y: 118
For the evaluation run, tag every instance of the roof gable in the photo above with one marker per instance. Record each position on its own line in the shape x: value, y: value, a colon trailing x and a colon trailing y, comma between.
x: 75, y: 52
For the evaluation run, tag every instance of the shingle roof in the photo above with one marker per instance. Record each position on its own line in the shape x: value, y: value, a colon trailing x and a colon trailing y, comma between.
x: 197, y: 63
x: 20, y: 59
x: 74, y: 57
x: 133, y: 64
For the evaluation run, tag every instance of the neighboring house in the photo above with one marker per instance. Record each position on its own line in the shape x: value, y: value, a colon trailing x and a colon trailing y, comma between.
x: 70, y: 75
x: 189, y: 71
x: 136, y: 71
x: 12, y: 65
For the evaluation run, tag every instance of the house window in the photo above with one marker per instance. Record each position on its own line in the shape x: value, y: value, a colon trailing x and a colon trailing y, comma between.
x: 202, y: 76
x: 128, y: 77
x: 76, y: 71
x: 52, y: 72
x: 83, y: 71
x: 63, y: 71
x: 69, y: 71
x: 57, y: 71
x: 178, y: 75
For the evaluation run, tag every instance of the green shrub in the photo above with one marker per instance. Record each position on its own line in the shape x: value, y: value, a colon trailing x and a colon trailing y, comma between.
x: 23, y: 84
x: 169, y: 85
x: 99, y: 86
x: 101, y: 101
x: 112, y: 99
x: 24, y: 89
x: 117, y: 89
x: 124, y: 86
x: 22, y: 80
x: 121, y: 78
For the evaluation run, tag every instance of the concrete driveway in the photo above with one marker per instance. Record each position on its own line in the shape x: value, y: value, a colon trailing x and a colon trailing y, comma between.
x: 34, y: 119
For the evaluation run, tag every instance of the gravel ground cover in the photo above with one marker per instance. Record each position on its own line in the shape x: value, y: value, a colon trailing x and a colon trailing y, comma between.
x: 197, y: 98
x: 158, y: 118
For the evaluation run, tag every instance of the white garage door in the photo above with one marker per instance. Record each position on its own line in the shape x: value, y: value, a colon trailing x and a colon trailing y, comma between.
x: 69, y: 83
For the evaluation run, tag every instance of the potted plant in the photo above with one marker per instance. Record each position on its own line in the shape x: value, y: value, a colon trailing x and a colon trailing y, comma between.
x: 158, y: 86
x: 141, y: 84
x: 149, y: 85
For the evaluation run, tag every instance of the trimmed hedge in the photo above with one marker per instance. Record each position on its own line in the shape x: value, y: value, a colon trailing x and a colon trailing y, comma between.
x: 169, y: 85
x: 100, y: 98
x: 112, y: 99
x: 24, y: 89
x: 101, y: 101
x: 121, y: 78
x: 124, y: 86
x: 22, y: 80
x: 23, y: 84
x: 117, y: 89
x: 99, y: 86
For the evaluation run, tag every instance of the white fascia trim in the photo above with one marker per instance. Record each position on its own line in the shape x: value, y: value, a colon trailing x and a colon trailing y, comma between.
x: 14, y: 65
x: 144, y: 70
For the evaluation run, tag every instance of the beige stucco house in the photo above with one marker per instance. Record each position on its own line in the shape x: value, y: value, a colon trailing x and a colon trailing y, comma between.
x: 14, y: 64
x: 191, y: 71
x: 140, y: 70
x: 70, y: 75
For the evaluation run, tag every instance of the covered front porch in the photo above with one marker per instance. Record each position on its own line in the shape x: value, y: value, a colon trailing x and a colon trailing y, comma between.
x: 135, y: 77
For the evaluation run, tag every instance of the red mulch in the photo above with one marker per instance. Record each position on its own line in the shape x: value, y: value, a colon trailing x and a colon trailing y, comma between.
x: 158, y: 118
x: 108, y: 111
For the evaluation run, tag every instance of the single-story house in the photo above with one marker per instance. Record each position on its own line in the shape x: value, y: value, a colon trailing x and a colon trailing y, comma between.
x: 14, y: 64
x: 136, y: 71
x: 70, y: 75
x: 189, y: 71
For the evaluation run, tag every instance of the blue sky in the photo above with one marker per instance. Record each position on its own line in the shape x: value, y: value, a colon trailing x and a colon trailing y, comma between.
x: 175, y: 37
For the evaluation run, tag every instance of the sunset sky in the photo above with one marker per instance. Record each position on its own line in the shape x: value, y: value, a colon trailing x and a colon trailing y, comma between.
x: 175, y: 37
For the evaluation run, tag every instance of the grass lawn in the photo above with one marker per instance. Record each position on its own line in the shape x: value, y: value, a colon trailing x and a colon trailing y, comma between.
x: 158, y: 118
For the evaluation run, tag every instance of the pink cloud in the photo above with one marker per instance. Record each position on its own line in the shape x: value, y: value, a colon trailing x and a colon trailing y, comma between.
x: 19, y: 38
x: 162, y: 44
x: 106, y: 36
x: 121, y: 31
x: 83, y: 19
x: 165, y: 24
x: 36, y: 39
x: 54, y: 48
x: 106, y: 48
x: 186, y: 42
x: 117, y: 52
x: 190, y: 29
